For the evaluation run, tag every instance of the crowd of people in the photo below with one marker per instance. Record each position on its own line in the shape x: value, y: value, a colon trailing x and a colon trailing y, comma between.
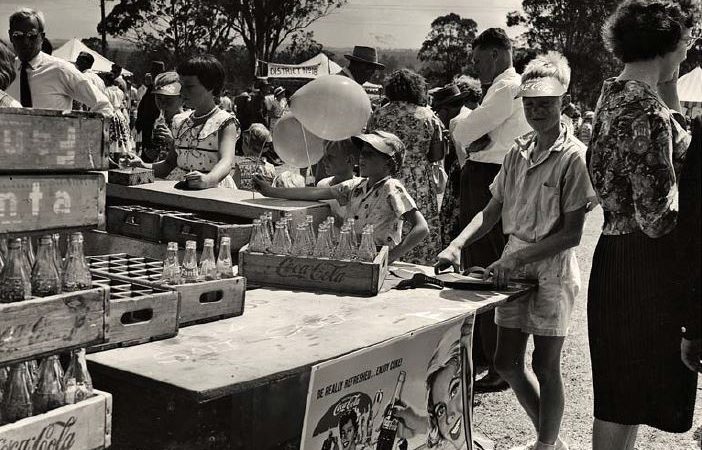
x: 519, y: 168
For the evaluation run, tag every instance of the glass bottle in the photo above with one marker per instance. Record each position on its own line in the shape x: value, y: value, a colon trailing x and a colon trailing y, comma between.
x: 390, y: 423
x: 171, y: 265
x: 17, y: 401
x: 76, y: 274
x: 351, y: 223
x: 256, y: 239
x: 310, y: 229
x: 15, y: 284
x: 301, y: 246
x: 189, y: 273
x: 269, y: 224
x: 28, y: 249
x: 344, y: 250
x: 281, y: 240
x: 77, y: 381
x: 33, y: 371
x: 323, y: 248
x: 367, y: 250
x: 49, y: 393
x: 58, y: 259
x: 265, y: 231
x: 3, y: 247
x: 225, y: 268
x: 208, y: 265
x: 45, y: 277
x: 333, y: 234
x: 25, y: 257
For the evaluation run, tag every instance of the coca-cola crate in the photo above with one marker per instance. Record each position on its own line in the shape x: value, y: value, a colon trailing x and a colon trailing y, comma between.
x: 138, y: 313
x: 193, y: 228
x: 68, y: 141
x: 141, y: 222
x: 48, y: 325
x: 203, y: 301
x: 315, y: 274
x: 43, y: 202
x: 83, y: 425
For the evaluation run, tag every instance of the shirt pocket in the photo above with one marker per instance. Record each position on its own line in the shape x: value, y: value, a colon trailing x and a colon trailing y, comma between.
x: 548, y: 212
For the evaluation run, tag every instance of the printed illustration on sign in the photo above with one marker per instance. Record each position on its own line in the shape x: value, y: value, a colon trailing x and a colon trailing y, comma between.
x: 412, y: 392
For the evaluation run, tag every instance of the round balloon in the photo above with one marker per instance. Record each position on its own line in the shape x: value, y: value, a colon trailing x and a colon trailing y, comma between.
x: 294, y: 144
x: 333, y: 107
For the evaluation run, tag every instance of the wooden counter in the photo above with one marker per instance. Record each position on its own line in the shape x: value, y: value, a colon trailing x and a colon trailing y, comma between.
x: 242, y: 382
x: 231, y: 202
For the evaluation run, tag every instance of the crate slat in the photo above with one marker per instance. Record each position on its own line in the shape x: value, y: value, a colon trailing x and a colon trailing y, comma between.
x: 138, y: 221
x: 192, y: 228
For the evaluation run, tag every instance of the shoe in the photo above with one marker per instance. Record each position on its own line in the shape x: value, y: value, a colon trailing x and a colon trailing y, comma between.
x: 490, y: 383
x: 559, y: 445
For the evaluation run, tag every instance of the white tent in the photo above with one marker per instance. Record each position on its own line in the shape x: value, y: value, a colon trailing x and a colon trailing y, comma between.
x: 326, y: 63
x: 690, y: 92
x: 70, y: 50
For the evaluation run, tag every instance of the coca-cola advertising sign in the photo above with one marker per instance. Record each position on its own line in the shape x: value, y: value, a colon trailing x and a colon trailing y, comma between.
x: 59, y: 435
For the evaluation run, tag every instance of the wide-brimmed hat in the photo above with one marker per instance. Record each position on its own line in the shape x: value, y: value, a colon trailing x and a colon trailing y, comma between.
x: 279, y: 90
x: 167, y: 83
x: 448, y: 94
x: 367, y: 55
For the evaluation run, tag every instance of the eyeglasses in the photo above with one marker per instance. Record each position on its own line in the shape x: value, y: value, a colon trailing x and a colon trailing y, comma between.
x: 31, y: 35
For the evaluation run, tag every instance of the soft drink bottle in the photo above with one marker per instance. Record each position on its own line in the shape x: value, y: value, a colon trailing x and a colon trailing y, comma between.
x: 77, y: 381
x: 45, y: 277
x: 171, y: 265
x: 208, y: 265
x: 49, y: 393
x: 17, y: 401
x: 282, y: 244
x: 388, y: 428
x: 225, y: 268
x: 15, y: 284
x: 76, y: 274
x: 344, y: 250
x: 332, y: 230
x: 3, y: 247
x: 351, y: 223
x: 58, y: 259
x: 189, y: 272
x: 256, y: 239
x: 301, y: 246
x: 28, y: 249
x: 367, y: 250
x: 25, y: 257
x: 310, y: 229
x: 33, y: 371
x: 269, y: 224
x: 322, y: 248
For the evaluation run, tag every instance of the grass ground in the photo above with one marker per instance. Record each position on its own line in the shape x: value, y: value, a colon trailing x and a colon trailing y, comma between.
x: 500, y: 417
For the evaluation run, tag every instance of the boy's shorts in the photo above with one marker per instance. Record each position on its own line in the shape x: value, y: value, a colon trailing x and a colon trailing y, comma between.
x: 546, y: 311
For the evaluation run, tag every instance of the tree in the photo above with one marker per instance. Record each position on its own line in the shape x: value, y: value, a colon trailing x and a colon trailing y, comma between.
x: 93, y: 43
x: 264, y: 25
x: 572, y: 27
x: 301, y: 47
x: 446, y: 50
x: 179, y: 27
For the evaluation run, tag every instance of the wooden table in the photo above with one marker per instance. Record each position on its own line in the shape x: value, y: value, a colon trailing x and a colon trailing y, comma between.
x: 230, y: 202
x: 242, y: 382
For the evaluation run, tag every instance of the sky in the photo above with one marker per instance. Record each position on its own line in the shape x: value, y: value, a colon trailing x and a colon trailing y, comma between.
x: 378, y: 23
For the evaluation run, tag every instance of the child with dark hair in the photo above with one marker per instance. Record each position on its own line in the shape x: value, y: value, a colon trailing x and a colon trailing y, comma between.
x: 375, y: 199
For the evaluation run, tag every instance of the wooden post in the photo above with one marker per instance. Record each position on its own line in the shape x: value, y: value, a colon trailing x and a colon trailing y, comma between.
x: 103, y: 32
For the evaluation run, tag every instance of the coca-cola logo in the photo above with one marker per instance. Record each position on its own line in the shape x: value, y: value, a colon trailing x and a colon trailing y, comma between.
x: 55, y: 436
x: 347, y: 404
x: 312, y: 270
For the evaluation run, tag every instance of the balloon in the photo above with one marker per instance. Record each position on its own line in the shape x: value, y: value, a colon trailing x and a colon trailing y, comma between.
x: 333, y: 107
x: 289, y: 138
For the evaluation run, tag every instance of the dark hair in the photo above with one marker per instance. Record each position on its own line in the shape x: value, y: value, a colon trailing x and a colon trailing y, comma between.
x: 7, y: 66
x: 640, y: 30
x: 46, y: 46
x: 109, y: 79
x: 405, y: 85
x: 23, y: 14
x: 207, y: 69
x: 87, y: 57
x: 471, y: 85
x: 493, y: 38
x: 349, y: 416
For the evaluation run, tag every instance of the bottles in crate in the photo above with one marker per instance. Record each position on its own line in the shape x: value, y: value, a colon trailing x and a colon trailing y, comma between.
x: 45, y: 276
x: 171, y: 265
x: 76, y: 275
x: 17, y: 398
x: 189, y: 271
x: 49, y: 392
x: 208, y: 265
x: 367, y: 250
x: 225, y: 268
x: 15, y: 283
x: 77, y: 382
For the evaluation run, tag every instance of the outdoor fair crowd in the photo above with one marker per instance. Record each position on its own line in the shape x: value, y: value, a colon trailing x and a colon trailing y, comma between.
x: 518, y: 170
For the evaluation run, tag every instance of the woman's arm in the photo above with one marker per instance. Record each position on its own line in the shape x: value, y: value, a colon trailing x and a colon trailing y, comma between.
x: 303, y: 193
x: 417, y: 233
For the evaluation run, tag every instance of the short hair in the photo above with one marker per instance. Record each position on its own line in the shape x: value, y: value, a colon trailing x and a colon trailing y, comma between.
x: 471, y: 85
x: 258, y: 135
x: 207, y: 69
x: 551, y: 64
x: 25, y: 14
x: 640, y: 30
x: 349, y: 416
x: 7, y: 66
x: 46, y: 46
x: 493, y: 38
x: 87, y: 57
x: 404, y: 85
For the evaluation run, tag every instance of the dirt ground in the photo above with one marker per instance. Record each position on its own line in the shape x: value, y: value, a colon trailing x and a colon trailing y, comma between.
x: 500, y: 417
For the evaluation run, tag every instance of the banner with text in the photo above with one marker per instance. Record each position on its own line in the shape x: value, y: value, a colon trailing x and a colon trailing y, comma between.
x: 293, y: 71
x: 411, y: 392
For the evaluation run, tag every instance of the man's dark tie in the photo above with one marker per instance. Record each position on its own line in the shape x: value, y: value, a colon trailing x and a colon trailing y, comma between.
x: 25, y: 92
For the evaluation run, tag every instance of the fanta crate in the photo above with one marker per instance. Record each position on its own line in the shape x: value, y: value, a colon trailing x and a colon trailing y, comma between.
x: 68, y: 141
x: 180, y: 228
x: 48, y: 325
x: 83, y: 425
x: 141, y: 222
x: 315, y: 274
x: 203, y: 301
x: 44, y: 202
x: 138, y: 313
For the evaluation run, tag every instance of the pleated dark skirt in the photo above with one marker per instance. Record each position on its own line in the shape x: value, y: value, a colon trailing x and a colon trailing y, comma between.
x: 634, y: 318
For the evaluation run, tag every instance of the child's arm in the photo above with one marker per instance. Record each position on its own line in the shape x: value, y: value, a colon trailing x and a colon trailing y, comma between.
x: 481, y: 224
x: 566, y: 237
x: 419, y: 231
x: 161, y: 168
x: 304, y: 193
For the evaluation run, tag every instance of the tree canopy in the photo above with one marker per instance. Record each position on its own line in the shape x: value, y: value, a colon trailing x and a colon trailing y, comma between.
x: 446, y: 50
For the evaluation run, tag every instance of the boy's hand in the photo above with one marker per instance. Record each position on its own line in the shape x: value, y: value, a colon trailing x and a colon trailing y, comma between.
x: 450, y: 256
x: 261, y: 184
x: 480, y: 145
x: 501, y: 271
x: 199, y: 180
x: 134, y: 161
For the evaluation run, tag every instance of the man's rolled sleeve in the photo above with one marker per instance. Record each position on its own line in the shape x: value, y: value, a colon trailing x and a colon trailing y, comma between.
x: 494, y: 110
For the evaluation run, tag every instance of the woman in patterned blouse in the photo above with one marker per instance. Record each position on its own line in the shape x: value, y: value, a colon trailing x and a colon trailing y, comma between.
x: 637, y: 149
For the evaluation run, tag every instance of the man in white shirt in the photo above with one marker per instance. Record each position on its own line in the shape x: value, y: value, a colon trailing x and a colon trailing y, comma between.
x: 44, y: 81
x: 500, y: 117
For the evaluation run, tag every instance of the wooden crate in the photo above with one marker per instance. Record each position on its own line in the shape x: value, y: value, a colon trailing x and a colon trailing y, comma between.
x: 131, y: 176
x: 315, y: 274
x: 138, y: 221
x: 200, y: 302
x: 86, y: 425
x: 138, y: 314
x: 194, y: 228
x: 51, y: 140
x: 48, y: 325
x: 45, y: 202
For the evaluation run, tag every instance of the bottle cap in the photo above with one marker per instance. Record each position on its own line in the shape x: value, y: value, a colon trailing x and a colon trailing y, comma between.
x: 190, y: 245
x: 209, y: 242
x: 46, y: 240
x: 15, y: 243
x: 172, y: 246
x: 77, y: 237
x: 257, y: 222
x: 225, y: 240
